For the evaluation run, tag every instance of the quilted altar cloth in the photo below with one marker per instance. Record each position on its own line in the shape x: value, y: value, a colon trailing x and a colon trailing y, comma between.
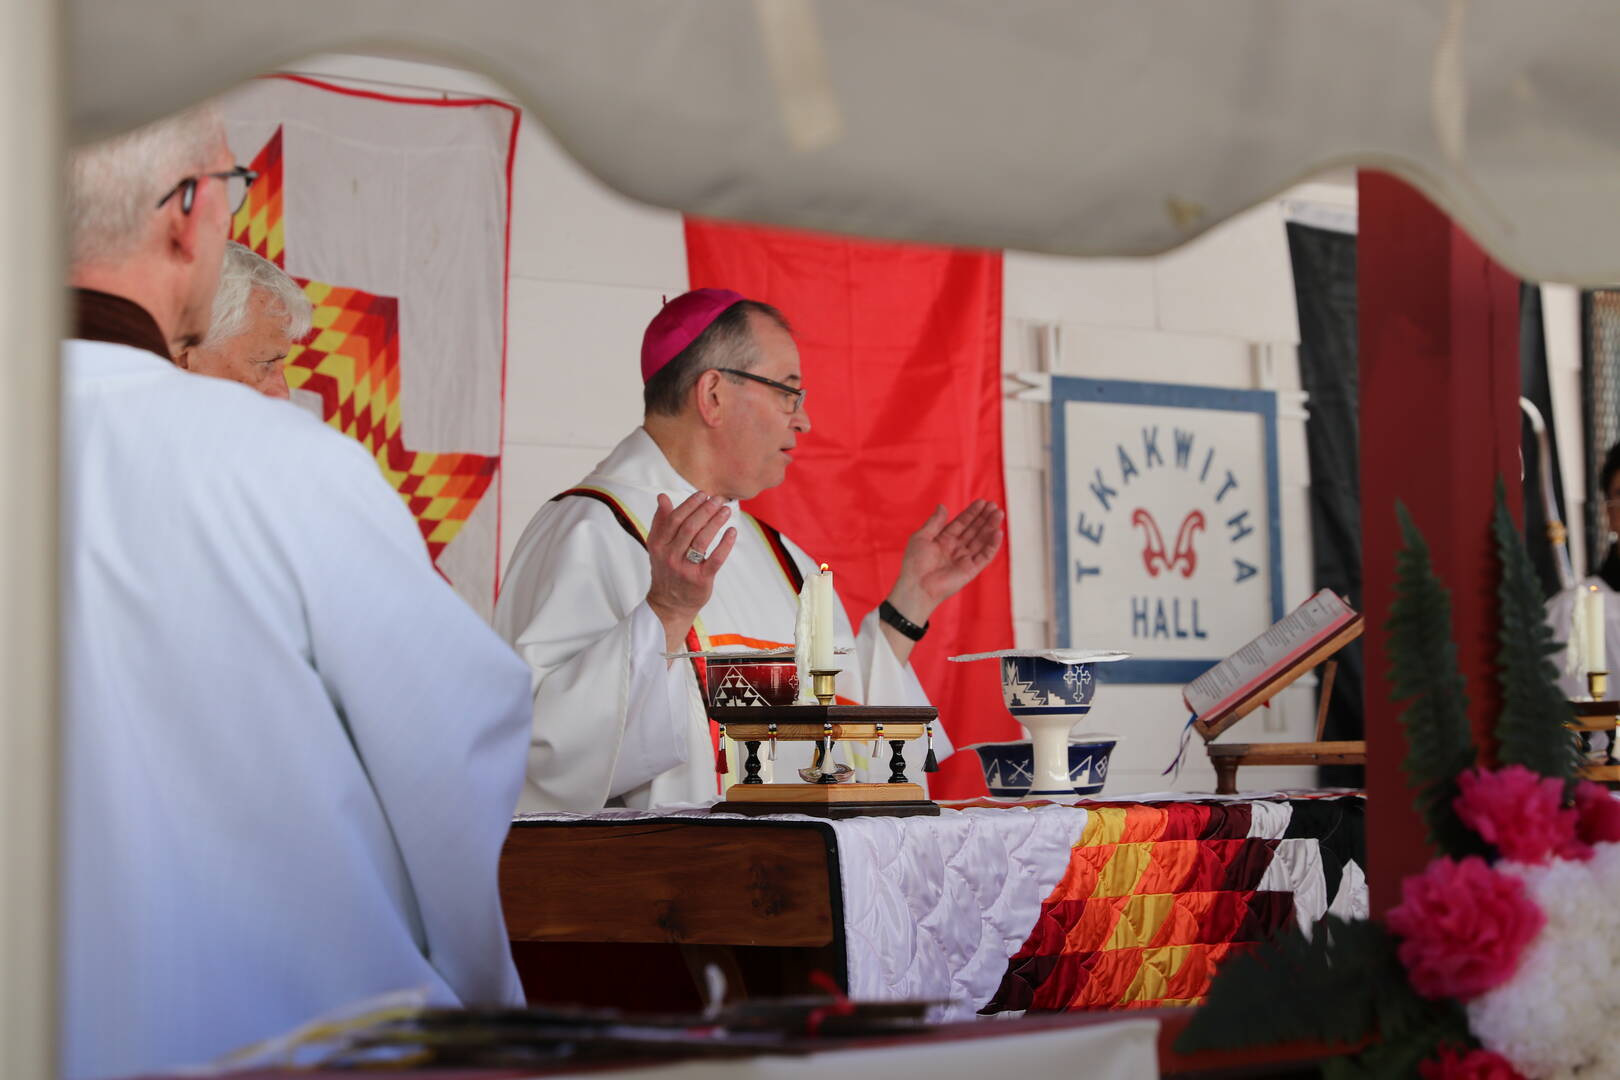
x: 1157, y: 894
x: 1131, y: 904
x: 932, y: 906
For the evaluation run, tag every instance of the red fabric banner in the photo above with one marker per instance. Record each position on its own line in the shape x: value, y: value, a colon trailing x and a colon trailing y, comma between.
x: 901, y: 348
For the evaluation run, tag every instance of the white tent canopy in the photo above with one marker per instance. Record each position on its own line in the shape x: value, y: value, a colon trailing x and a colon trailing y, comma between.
x: 1120, y: 128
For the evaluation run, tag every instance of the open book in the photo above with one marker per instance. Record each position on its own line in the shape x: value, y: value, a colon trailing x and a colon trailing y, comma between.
x: 1253, y: 675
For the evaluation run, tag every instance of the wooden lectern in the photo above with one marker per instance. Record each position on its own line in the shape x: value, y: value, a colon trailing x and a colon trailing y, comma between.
x: 1228, y: 757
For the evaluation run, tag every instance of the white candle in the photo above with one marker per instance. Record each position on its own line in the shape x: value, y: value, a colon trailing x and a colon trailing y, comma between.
x: 821, y: 620
x: 1596, y: 660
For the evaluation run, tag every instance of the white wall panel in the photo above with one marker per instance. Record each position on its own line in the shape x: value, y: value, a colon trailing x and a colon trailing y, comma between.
x: 1027, y: 532
x: 530, y: 476
x: 1031, y: 633
x: 1109, y: 352
x: 573, y: 362
x: 568, y: 227
x: 1233, y: 280
x: 1105, y: 292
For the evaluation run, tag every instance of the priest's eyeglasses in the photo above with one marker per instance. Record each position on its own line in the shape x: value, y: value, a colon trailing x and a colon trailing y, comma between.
x: 794, y: 393
x: 237, y: 182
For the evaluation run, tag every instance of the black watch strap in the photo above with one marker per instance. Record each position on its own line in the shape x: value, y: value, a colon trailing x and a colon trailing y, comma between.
x: 887, y: 612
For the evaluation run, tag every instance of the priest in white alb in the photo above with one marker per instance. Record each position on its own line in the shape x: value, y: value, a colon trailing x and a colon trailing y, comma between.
x: 290, y: 751
x: 1585, y: 618
x: 650, y: 555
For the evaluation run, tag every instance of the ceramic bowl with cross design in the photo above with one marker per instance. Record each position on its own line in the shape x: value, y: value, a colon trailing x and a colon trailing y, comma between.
x: 1009, y: 767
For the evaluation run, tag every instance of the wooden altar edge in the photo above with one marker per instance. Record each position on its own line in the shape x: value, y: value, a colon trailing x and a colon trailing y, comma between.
x: 1291, y: 753
x: 1277, y: 1059
x: 1228, y: 757
x: 557, y: 878
x: 1594, y: 715
x: 754, y: 730
x: 828, y: 800
x: 822, y: 794
x: 819, y: 714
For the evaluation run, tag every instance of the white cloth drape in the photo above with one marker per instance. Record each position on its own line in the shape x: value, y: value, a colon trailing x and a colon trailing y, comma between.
x: 291, y: 752
x: 573, y: 605
x: 1033, y: 125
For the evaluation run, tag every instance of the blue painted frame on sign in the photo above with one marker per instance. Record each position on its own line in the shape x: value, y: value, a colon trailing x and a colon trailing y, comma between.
x: 1066, y: 389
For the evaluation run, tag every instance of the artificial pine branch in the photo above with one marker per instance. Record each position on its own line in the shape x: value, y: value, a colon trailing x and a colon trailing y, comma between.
x: 1530, y: 730
x: 1334, y: 986
x: 1344, y: 984
x: 1423, y: 672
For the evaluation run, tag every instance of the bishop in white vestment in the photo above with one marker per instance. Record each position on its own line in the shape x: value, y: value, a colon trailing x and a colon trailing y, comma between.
x: 603, y: 581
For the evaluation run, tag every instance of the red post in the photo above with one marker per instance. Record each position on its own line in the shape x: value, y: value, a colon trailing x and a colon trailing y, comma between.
x: 1439, y: 360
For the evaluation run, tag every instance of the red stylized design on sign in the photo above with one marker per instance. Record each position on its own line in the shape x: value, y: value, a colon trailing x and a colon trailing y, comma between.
x: 1153, y: 554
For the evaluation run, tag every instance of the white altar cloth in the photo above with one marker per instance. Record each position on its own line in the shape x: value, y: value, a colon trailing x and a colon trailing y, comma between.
x: 933, y: 906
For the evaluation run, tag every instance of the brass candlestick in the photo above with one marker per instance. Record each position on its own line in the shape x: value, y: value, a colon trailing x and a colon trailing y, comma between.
x: 824, y: 684
x: 1597, y: 684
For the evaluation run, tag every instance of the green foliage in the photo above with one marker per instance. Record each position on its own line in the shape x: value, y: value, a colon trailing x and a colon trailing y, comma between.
x: 1424, y: 673
x: 1340, y: 985
x: 1530, y: 729
x: 1344, y: 984
x: 1397, y: 1055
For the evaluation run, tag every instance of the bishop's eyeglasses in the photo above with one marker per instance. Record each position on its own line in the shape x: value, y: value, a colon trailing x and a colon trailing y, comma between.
x: 795, y: 394
x: 237, y: 182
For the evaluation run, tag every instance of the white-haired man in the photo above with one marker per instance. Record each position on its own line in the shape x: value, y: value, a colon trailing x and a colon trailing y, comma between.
x: 291, y: 752
x: 259, y: 312
x: 612, y: 574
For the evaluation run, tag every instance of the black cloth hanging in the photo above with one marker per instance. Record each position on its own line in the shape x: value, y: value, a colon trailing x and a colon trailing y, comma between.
x: 1324, y: 264
x: 1535, y: 385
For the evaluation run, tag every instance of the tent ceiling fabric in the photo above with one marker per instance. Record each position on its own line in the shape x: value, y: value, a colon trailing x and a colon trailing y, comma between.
x: 1075, y: 128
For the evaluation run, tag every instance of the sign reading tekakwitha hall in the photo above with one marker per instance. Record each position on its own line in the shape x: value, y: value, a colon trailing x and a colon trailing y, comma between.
x: 392, y: 212
x: 1165, y: 519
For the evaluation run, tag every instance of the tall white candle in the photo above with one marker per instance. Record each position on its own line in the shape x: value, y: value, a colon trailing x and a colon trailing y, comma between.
x: 1596, y: 660
x: 821, y: 620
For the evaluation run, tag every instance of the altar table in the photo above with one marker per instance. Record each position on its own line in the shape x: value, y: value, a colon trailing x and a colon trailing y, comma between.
x: 1095, y: 905
x: 1098, y: 1046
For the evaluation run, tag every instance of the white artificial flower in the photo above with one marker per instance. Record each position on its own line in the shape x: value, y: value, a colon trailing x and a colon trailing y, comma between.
x: 1559, y: 1016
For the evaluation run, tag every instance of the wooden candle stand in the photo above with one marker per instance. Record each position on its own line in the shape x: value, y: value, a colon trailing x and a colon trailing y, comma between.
x: 1228, y: 757
x: 1593, y: 716
x: 895, y: 725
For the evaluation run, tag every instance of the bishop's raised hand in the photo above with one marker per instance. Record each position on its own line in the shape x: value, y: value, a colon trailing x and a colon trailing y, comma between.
x: 941, y: 557
x: 682, y: 576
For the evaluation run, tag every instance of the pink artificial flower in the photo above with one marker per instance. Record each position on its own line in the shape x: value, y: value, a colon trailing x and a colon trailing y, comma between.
x: 1455, y: 1064
x: 1520, y: 812
x: 1599, y: 813
x: 1463, y: 927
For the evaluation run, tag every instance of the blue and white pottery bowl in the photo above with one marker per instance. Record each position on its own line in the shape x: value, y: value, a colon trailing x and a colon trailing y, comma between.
x: 1039, y: 686
x: 1009, y: 767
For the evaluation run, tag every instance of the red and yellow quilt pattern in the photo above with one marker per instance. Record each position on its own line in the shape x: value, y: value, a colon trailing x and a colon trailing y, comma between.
x: 1156, y: 895
x: 352, y: 360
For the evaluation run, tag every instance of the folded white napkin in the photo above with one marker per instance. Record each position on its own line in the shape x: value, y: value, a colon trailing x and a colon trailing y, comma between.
x: 1061, y: 656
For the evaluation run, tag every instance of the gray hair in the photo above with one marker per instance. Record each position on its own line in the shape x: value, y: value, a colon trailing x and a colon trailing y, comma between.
x: 727, y: 342
x: 242, y: 274
x: 114, y: 186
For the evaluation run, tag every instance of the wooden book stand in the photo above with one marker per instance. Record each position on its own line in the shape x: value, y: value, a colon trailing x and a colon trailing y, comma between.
x: 1227, y: 757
